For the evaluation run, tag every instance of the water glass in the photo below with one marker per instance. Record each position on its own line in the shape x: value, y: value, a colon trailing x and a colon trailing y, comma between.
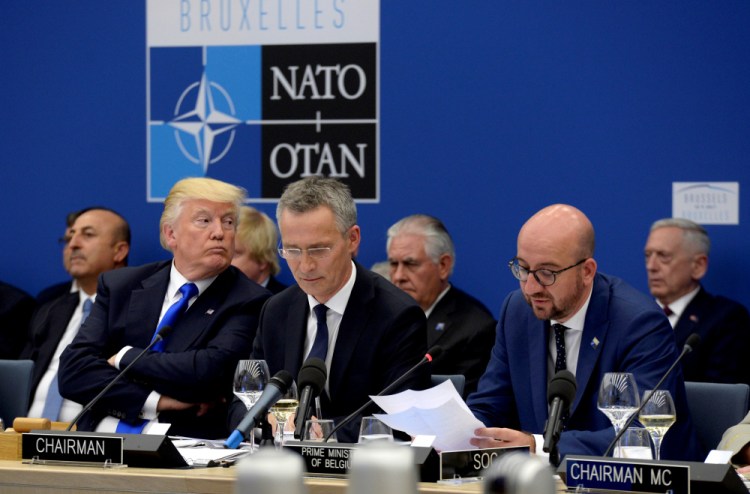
x: 318, y: 430
x: 373, y: 429
x: 634, y: 443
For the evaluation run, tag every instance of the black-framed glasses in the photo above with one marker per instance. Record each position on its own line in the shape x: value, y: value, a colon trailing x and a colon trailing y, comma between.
x: 293, y: 254
x: 543, y: 276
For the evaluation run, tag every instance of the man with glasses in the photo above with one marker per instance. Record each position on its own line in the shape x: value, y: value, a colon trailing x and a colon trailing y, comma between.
x: 567, y: 316
x: 367, y: 331
x: 676, y: 256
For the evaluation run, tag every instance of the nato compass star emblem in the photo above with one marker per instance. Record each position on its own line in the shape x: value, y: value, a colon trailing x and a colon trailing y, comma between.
x: 197, y: 117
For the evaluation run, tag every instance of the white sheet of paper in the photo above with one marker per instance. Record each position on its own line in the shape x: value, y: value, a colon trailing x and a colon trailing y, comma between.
x: 438, y: 411
x: 719, y: 456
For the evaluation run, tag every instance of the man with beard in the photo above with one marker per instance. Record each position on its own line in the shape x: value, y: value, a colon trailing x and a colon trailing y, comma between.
x: 567, y: 316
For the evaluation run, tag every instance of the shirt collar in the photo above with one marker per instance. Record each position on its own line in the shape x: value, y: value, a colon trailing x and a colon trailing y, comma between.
x: 176, y: 280
x: 338, y: 302
x: 678, y: 306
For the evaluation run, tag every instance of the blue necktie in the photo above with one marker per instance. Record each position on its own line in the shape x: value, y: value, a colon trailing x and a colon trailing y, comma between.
x: 53, y: 403
x: 320, y: 345
x: 188, y: 291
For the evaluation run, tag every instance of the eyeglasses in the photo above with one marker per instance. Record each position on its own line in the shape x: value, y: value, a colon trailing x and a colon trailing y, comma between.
x: 294, y: 254
x: 544, y: 277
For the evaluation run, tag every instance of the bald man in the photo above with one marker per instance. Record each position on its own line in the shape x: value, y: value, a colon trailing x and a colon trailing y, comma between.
x: 608, y: 326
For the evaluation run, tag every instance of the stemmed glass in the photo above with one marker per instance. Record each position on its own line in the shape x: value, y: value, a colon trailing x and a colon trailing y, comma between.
x: 283, y: 409
x: 618, y: 397
x: 657, y: 416
x: 250, y: 379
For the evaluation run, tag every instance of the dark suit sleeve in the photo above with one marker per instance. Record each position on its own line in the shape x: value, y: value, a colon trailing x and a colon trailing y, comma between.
x: 16, y: 308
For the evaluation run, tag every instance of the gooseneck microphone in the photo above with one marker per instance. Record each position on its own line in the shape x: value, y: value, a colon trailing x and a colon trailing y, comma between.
x: 561, y: 391
x: 433, y: 353
x: 311, y: 380
x: 163, y: 333
x: 692, y: 341
x: 277, y: 386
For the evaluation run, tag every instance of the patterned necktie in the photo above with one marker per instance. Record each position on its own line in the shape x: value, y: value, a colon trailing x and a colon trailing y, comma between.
x: 667, y: 311
x: 561, y: 361
x: 53, y: 403
x: 320, y: 345
x: 188, y: 291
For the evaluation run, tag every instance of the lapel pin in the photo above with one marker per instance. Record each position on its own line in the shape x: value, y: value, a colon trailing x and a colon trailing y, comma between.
x: 693, y: 318
x: 440, y: 326
x: 210, y: 311
x: 595, y: 343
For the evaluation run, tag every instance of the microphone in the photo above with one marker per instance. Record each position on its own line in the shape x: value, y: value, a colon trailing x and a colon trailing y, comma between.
x: 561, y: 391
x: 311, y: 380
x: 433, y: 353
x: 277, y: 386
x: 163, y: 333
x: 692, y: 341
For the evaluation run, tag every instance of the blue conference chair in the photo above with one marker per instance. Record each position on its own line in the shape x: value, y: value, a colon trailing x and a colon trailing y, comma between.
x: 715, y: 407
x: 458, y: 380
x: 15, y: 389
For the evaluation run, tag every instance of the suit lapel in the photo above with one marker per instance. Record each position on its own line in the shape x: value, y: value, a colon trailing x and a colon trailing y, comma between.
x: 595, y: 330
x: 355, y: 321
x: 145, y: 306
x: 690, y: 318
x: 295, y: 332
x: 438, y: 323
x: 537, y: 351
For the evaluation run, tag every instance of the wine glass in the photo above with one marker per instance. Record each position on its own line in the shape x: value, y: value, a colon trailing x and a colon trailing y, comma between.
x: 250, y: 379
x: 657, y: 416
x: 618, y: 397
x: 283, y: 409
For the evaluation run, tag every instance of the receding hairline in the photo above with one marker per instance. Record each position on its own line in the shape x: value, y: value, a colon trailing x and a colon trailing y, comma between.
x: 578, y: 225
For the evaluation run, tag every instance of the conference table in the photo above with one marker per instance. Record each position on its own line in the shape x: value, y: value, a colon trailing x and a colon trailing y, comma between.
x: 22, y: 478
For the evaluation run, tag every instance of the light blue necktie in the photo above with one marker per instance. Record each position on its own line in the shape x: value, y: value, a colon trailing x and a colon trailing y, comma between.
x: 320, y: 345
x: 188, y: 291
x: 53, y: 403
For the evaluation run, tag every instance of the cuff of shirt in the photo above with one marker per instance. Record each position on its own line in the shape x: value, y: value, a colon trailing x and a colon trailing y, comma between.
x: 120, y: 355
x: 149, y: 407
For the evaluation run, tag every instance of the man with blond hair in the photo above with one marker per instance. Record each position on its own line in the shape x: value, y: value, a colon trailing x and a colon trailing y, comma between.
x: 212, y: 309
x: 255, y: 249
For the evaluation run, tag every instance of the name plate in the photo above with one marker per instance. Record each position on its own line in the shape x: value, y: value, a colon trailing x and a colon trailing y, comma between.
x: 324, y: 459
x: 471, y: 462
x: 631, y: 475
x: 72, y: 447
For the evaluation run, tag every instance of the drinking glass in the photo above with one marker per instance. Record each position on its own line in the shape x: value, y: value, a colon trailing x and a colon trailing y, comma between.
x: 634, y: 443
x: 318, y: 430
x: 657, y: 416
x: 250, y: 379
x: 282, y: 410
x: 372, y: 429
x: 618, y: 397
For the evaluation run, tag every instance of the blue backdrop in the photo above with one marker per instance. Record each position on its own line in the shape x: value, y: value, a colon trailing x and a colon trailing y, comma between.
x: 489, y: 111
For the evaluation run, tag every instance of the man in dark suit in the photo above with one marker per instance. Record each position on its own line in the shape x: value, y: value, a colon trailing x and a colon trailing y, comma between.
x: 568, y: 316
x: 59, y: 289
x: 421, y: 257
x: 16, y: 307
x: 676, y: 260
x: 98, y: 240
x: 255, y: 249
x: 368, y: 332
x: 211, y: 307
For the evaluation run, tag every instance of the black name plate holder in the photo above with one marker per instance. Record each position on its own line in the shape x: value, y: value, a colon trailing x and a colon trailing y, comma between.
x: 626, y: 476
x: 470, y: 463
x: 80, y: 449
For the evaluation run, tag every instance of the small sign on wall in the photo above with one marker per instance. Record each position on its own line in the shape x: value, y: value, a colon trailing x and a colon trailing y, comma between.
x: 707, y: 203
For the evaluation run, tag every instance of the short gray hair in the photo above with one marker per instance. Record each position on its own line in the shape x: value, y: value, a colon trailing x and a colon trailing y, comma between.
x: 313, y: 192
x: 437, y: 240
x: 694, y: 236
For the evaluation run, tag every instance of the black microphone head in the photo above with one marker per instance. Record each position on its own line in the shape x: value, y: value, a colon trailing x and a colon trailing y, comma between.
x: 434, y: 352
x: 282, y: 380
x: 562, y: 385
x: 692, y: 341
x: 313, y: 373
x: 164, y: 331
